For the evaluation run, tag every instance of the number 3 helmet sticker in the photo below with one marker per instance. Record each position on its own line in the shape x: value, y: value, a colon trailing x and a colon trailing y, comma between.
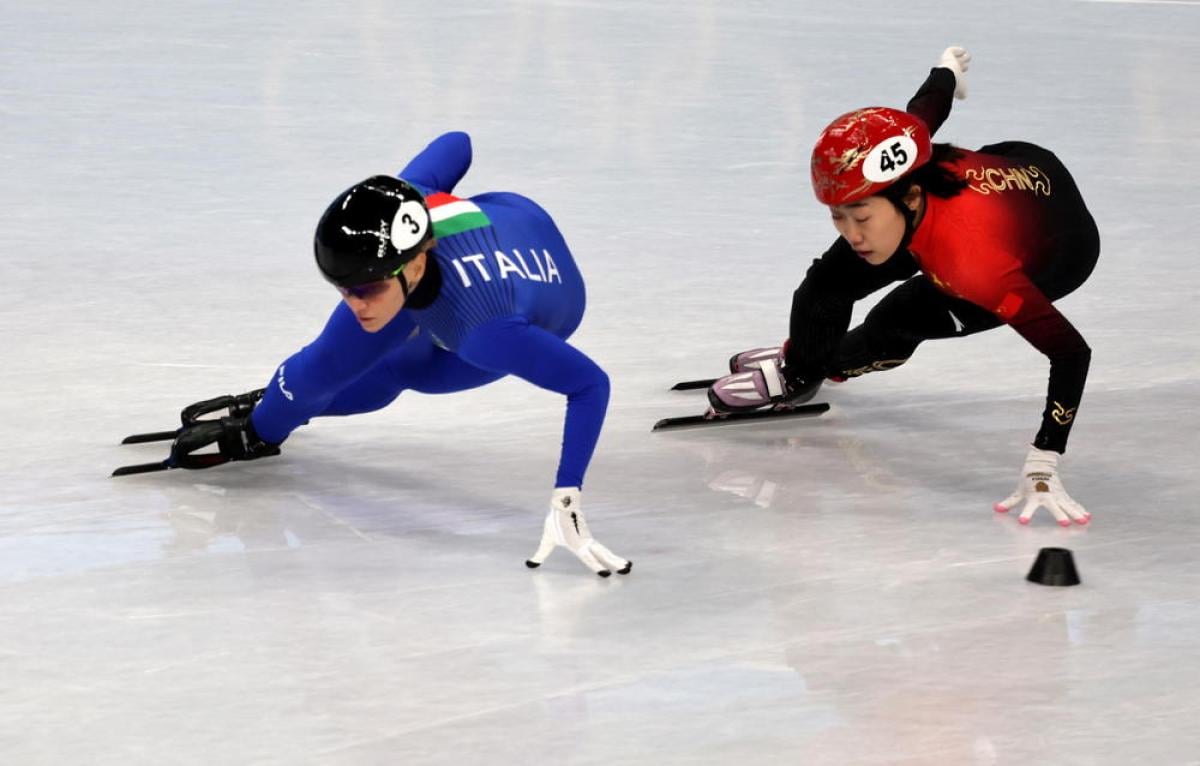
x: 890, y: 159
x: 409, y: 225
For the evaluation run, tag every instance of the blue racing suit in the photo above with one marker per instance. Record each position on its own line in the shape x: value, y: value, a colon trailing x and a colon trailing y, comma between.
x: 510, y: 295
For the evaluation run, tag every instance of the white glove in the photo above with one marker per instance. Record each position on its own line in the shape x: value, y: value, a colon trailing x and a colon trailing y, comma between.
x: 566, y: 526
x: 1040, y: 485
x: 956, y: 59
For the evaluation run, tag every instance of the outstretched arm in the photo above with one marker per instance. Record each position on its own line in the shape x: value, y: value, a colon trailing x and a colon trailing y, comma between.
x: 945, y: 81
x: 442, y: 164
x: 305, y: 384
x: 1019, y: 302
x: 514, y: 346
x: 933, y: 99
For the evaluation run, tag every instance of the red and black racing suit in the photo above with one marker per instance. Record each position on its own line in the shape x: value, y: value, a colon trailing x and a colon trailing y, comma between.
x: 1000, y: 252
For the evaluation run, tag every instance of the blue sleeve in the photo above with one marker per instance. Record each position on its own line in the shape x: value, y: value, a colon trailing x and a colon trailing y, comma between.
x: 442, y: 164
x: 305, y: 384
x: 512, y: 345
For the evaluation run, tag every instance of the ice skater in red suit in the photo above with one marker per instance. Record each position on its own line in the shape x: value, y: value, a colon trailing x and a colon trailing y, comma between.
x: 980, y: 239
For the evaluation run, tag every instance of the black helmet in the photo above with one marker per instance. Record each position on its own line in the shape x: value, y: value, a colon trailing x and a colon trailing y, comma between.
x: 371, y: 230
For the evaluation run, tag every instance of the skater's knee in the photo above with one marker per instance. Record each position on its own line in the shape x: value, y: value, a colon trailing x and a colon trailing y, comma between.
x: 864, y: 350
x: 596, y: 386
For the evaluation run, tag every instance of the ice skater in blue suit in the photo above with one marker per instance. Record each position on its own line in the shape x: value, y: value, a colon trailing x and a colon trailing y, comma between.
x: 439, y: 294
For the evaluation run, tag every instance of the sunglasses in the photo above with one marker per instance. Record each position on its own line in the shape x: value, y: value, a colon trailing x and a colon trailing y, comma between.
x: 365, y: 291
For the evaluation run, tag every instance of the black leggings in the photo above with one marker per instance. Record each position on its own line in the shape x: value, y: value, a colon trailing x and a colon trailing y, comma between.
x: 917, y: 310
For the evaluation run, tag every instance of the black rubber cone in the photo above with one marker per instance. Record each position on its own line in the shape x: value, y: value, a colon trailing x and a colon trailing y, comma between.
x: 1054, y: 566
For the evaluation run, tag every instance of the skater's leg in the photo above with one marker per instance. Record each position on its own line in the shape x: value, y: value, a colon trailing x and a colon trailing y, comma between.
x: 915, y: 311
x: 417, y: 365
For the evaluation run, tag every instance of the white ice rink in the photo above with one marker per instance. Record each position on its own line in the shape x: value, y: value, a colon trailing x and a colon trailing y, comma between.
x: 835, y: 591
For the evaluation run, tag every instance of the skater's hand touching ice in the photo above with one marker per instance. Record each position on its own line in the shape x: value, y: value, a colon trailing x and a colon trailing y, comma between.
x: 1040, y: 486
x: 566, y: 526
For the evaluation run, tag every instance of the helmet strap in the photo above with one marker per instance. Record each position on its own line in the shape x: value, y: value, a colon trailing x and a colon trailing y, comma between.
x: 403, y: 282
x: 910, y: 219
x: 909, y: 228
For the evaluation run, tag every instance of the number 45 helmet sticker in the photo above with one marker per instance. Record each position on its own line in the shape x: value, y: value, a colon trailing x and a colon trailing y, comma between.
x: 863, y: 152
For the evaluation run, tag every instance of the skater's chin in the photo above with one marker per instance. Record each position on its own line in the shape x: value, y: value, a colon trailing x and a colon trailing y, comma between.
x: 370, y: 324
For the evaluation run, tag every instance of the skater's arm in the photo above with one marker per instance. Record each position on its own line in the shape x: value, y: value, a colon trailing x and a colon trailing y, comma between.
x: 1016, y: 300
x: 512, y: 345
x: 1040, y: 323
x: 933, y: 99
x: 822, y: 304
x: 305, y: 384
x: 442, y: 164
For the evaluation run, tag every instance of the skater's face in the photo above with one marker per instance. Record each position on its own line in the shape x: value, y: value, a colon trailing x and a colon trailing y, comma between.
x: 377, y: 303
x: 873, y: 227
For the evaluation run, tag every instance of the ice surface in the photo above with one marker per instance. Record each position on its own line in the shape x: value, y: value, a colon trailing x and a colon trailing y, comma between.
x: 835, y: 591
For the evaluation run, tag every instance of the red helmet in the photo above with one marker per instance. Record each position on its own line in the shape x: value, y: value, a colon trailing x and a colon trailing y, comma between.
x: 865, y: 151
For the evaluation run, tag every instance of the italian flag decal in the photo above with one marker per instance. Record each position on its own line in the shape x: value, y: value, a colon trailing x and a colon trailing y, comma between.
x: 451, y: 215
